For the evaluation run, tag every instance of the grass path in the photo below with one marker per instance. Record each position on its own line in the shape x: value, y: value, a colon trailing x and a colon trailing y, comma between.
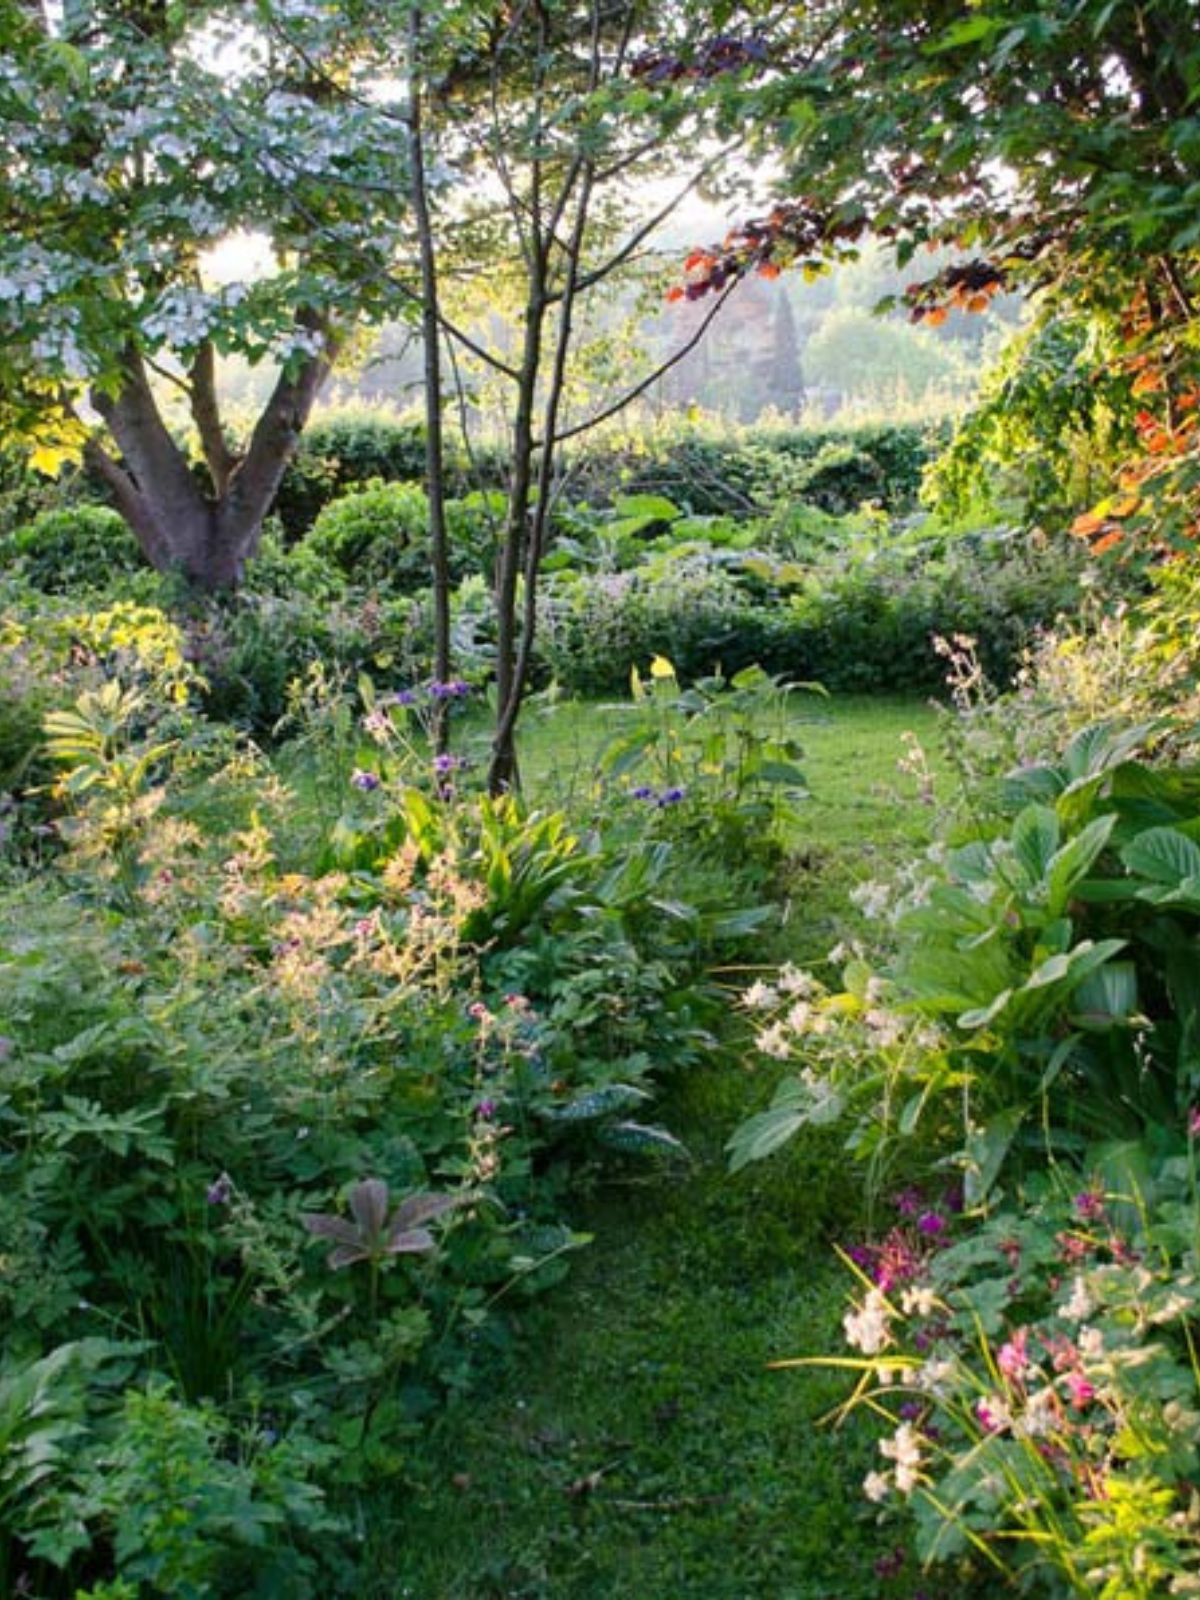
x: 632, y: 1443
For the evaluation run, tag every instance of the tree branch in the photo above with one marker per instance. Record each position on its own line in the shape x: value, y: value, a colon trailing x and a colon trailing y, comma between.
x: 206, y: 414
x: 648, y: 382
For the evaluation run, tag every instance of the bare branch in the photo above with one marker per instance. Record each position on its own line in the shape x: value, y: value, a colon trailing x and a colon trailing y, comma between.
x: 648, y: 382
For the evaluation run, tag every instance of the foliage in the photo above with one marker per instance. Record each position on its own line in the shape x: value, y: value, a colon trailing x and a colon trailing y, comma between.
x: 1038, y: 1377
x: 345, y: 449
x: 375, y: 536
x: 851, y: 612
x: 74, y: 548
x: 425, y: 1013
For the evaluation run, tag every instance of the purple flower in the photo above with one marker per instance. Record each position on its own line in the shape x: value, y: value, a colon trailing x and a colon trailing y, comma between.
x: 1089, y: 1206
x: 364, y: 780
x: 931, y: 1223
x: 402, y: 697
x: 455, y: 689
x: 1194, y: 1123
x: 220, y: 1192
x: 908, y: 1202
x: 671, y: 797
x: 485, y: 1110
x: 642, y: 792
x: 445, y: 764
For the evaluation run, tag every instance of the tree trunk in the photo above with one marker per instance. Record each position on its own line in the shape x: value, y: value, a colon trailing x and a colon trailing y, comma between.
x: 208, y: 537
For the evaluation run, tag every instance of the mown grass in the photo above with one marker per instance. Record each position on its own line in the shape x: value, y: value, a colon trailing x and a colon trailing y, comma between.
x: 634, y: 1443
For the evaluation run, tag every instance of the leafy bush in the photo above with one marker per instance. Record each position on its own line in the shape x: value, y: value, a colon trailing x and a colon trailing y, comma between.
x: 1040, y: 996
x: 377, y: 537
x: 342, y: 450
x: 77, y: 547
x: 859, y: 621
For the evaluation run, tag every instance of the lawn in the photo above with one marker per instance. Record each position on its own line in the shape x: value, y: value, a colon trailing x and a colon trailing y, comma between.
x: 631, y: 1441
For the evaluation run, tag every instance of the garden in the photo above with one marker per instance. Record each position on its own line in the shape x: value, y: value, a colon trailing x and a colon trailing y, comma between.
x: 600, y: 850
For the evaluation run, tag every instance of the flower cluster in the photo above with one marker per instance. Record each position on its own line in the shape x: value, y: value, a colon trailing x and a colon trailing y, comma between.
x: 1030, y: 1403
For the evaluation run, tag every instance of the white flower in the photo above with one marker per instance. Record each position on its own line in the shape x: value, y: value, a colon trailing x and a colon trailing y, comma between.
x: 1091, y: 1344
x: 870, y: 898
x: 799, y: 1017
x: 934, y: 1375
x: 1040, y: 1418
x: 773, y: 1041
x: 1080, y: 1303
x: 866, y: 1328
x: 760, y: 997
x: 904, y: 1448
x: 876, y: 1486
x: 918, y: 1302
x: 793, y: 981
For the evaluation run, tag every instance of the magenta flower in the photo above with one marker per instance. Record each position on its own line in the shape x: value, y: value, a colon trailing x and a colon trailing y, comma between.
x: 1082, y: 1391
x: 1194, y: 1123
x: 931, y: 1224
x: 366, y: 781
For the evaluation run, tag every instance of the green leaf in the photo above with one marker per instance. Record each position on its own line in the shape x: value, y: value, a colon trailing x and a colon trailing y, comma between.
x: 971, y: 30
x: 1163, y: 854
x: 603, y: 1102
x: 987, y: 1149
x: 1074, y: 860
x: 1106, y: 997
x: 634, y: 1138
x: 1035, y: 838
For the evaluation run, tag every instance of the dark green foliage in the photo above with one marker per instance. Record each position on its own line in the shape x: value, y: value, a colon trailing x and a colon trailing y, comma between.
x: 76, y: 547
x: 376, y: 537
x: 851, y: 624
x: 342, y: 451
x: 834, y: 469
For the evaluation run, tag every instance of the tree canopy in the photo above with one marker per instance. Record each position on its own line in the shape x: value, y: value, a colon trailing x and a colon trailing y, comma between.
x: 132, y: 138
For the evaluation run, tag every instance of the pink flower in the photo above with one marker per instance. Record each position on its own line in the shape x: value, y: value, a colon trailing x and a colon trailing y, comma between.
x: 1194, y: 1123
x: 1082, y: 1391
x: 1013, y: 1357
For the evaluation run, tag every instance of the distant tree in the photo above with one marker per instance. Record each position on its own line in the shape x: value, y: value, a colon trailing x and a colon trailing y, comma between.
x: 784, y: 373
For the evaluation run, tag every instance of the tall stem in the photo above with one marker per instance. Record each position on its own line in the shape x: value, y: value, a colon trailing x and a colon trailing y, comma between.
x: 435, y: 454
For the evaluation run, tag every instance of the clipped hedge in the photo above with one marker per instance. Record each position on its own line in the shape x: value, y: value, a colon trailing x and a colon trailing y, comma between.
x: 74, y: 548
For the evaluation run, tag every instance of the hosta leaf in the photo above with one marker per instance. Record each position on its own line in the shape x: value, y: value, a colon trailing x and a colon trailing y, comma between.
x: 1164, y: 855
x: 1035, y: 838
x: 1107, y: 996
x: 634, y: 1138
x: 1074, y: 860
x: 605, y: 1102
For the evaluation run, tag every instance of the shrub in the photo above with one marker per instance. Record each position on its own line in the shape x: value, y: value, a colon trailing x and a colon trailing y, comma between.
x: 78, y: 547
x: 853, y: 622
x: 377, y: 537
x: 342, y: 450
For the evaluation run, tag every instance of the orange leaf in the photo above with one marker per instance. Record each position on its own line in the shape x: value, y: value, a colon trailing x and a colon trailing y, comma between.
x: 675, y: 293
x: 1151, y: 382
x: 979, y: 302
x: 1088, y: 523
x: 698, y: 258
x: 769, y: 269
x: 936, y: 315
x: 1109, y: 539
